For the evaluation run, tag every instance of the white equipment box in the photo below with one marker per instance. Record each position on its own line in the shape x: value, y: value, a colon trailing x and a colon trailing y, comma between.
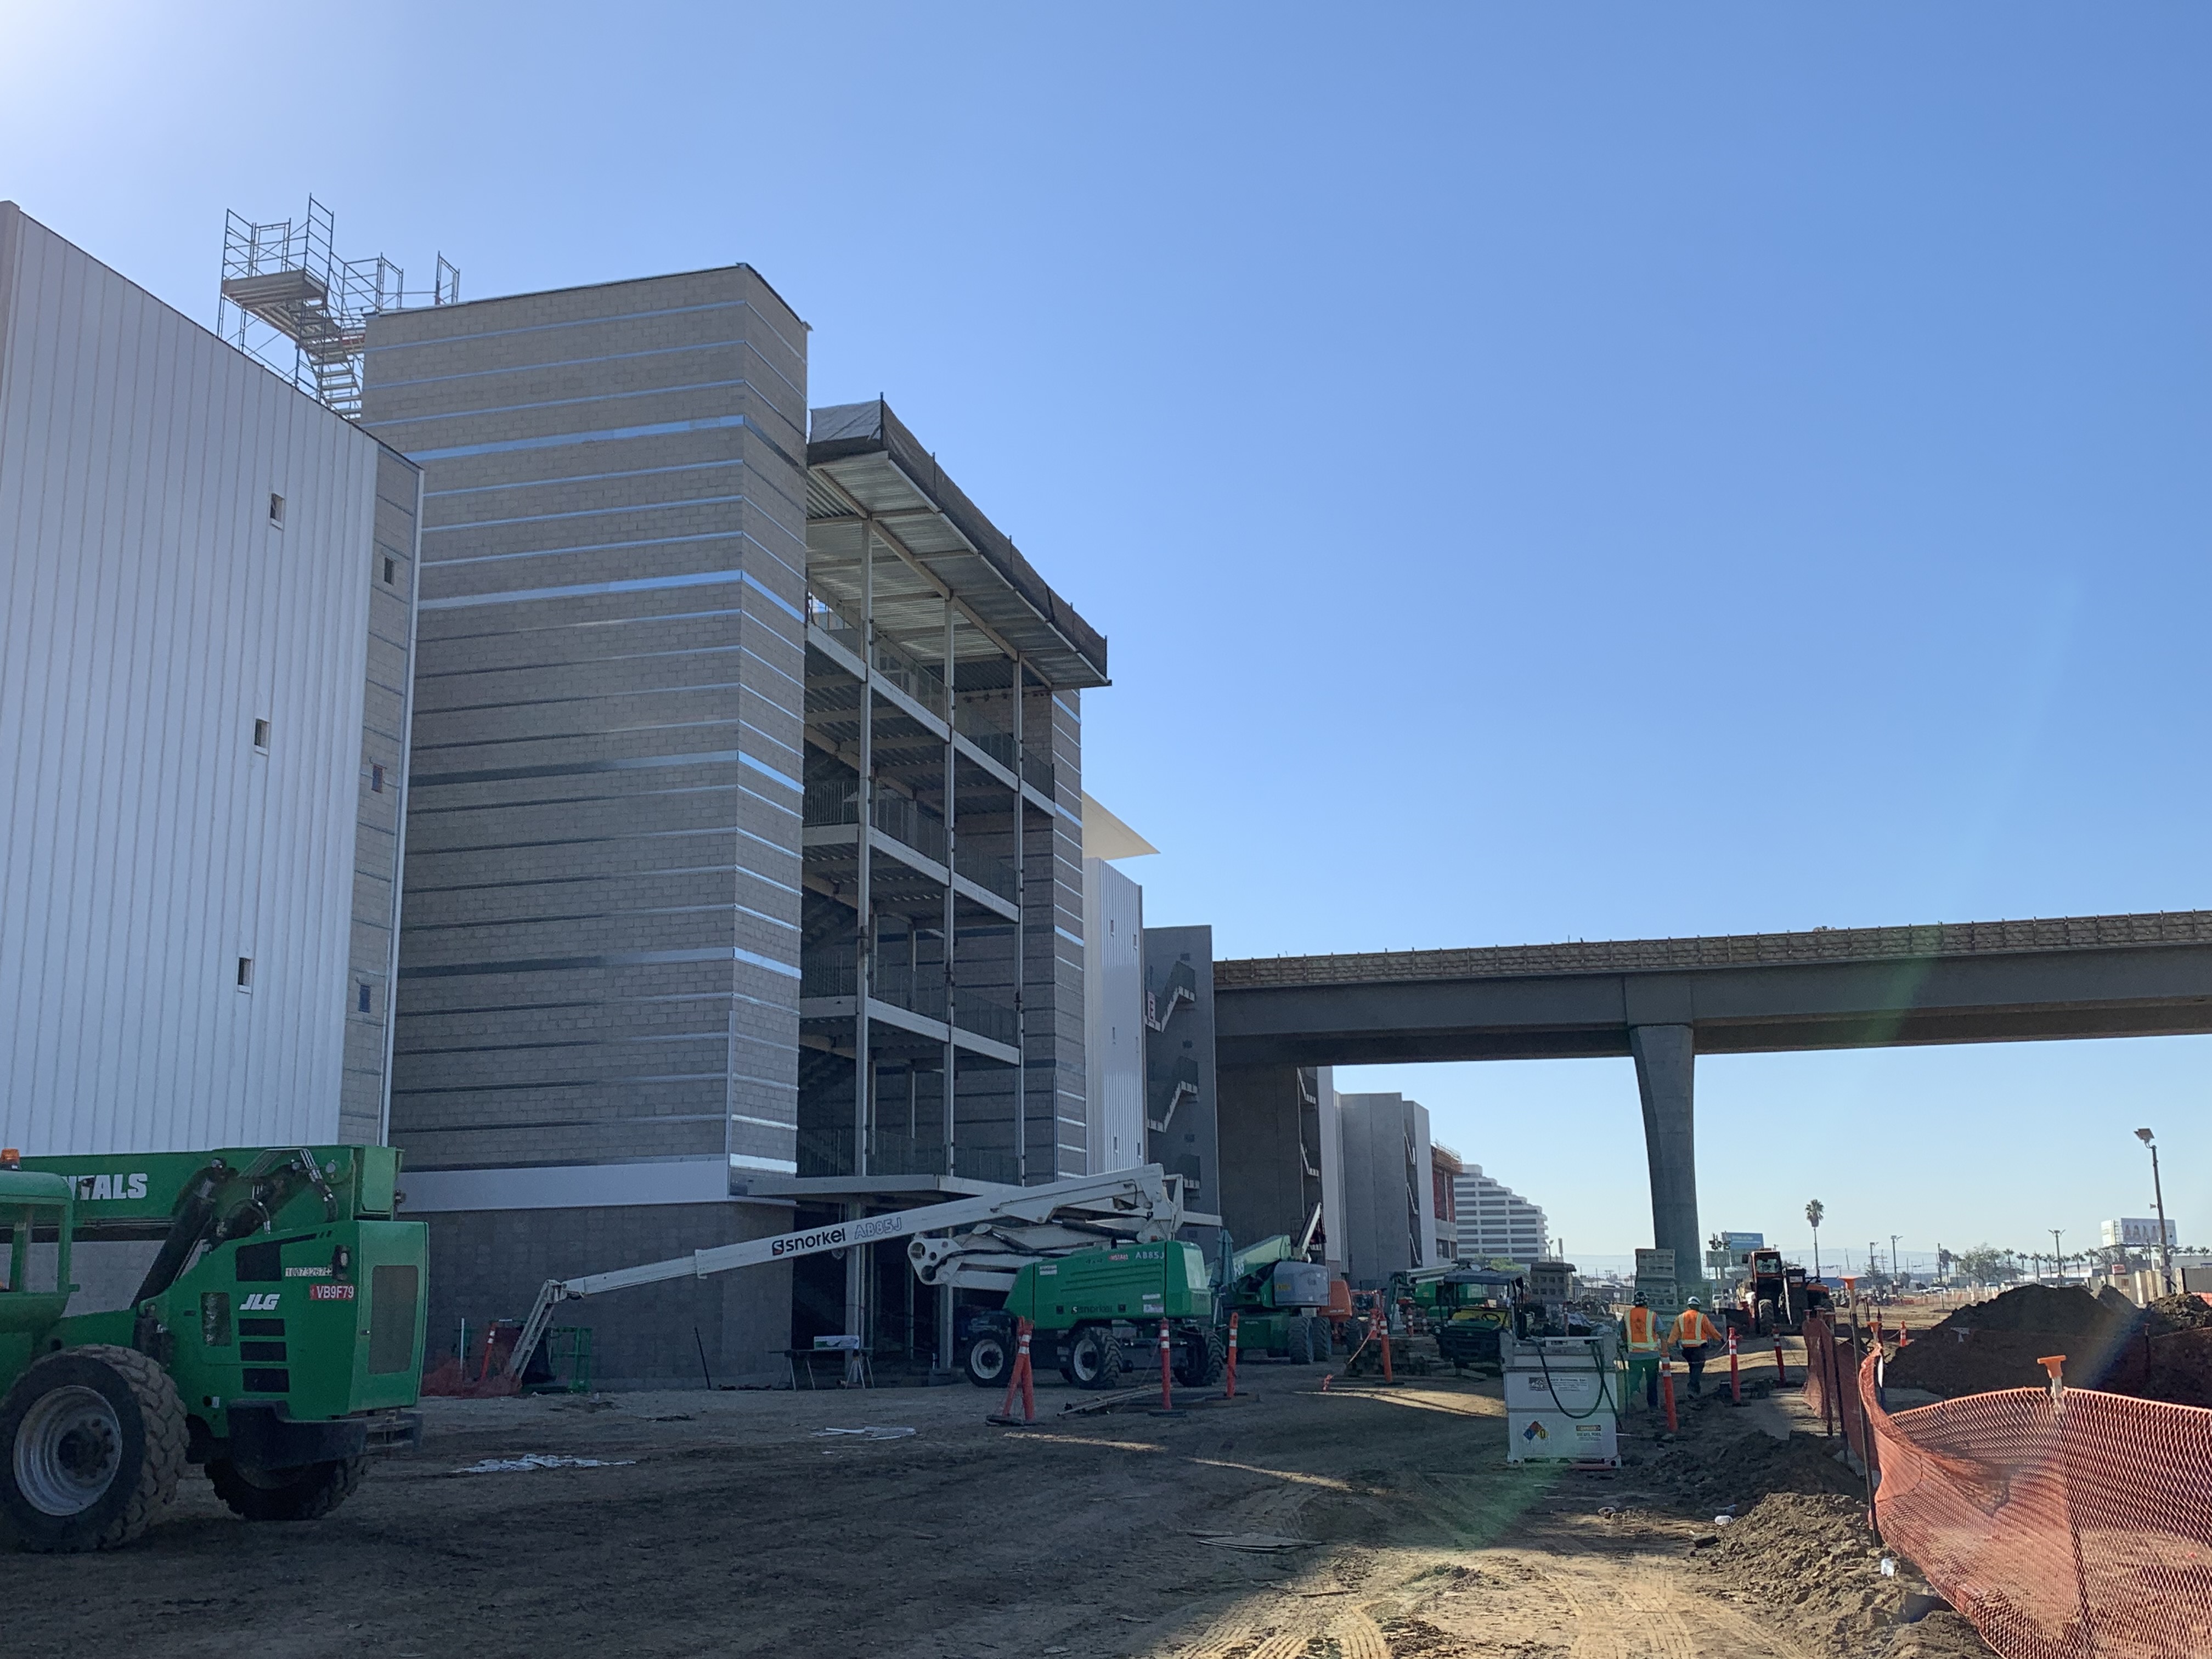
x: 1562, y: 1400
x: 1555, y: 1437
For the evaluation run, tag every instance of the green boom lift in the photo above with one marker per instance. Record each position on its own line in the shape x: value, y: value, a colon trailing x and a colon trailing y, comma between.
x: 1096, y: 1311
x: 278, y: 1325
x: 1277, y: 1296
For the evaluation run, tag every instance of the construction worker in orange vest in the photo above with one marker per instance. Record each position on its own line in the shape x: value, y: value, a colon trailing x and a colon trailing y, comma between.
x: 1645, y: 1335
x: 1693, y: 1333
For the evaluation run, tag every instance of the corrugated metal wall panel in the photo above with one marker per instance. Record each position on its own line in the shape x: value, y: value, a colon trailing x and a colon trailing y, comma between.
x: 149, y: 614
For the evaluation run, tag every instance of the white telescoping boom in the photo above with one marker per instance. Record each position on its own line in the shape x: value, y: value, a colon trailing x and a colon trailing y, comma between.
x: 1143, y: 1203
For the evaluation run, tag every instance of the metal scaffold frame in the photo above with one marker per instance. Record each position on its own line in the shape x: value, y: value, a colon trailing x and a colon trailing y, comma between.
x: 292, y: 305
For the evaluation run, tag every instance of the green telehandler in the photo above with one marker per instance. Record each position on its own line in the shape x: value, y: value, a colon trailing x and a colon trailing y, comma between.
x: 275, y: 1331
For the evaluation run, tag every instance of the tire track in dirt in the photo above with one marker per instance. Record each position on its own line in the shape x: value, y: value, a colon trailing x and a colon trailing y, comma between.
x: 1359, y: 1637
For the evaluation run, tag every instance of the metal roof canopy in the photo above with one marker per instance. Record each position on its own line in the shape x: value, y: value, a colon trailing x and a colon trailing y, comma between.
x: 869, y: 455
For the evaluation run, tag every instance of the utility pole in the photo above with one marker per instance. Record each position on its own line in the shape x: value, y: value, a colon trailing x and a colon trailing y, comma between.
x: 2058, y: 1261
x: 1893, y: 1237
x: 2158, y: 1194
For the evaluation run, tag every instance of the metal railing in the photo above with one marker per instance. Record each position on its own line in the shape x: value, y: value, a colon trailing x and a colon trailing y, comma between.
x: 910, y: 823
x: 984, y: 869
x: 985, y: 1015
x: 918, y: 990
x: 904, y: 820
x: 891, y: 1152
x: 925, y: 684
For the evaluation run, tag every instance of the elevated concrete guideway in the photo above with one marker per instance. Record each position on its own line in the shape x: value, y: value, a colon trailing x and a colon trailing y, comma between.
x: 1664, y: 1001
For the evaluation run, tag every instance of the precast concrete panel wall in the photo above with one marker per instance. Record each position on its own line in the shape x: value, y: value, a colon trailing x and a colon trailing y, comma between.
x: 1268, y: 1131
x: 152, y: 612
x: 599, y: 958
x: 1328, y: 1115
x: 1389, y: 1204
x: 1180, y: 1053
x: 1114, y: 1016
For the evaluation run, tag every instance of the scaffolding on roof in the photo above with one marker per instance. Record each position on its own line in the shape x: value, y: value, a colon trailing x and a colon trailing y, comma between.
x: 283, y: 286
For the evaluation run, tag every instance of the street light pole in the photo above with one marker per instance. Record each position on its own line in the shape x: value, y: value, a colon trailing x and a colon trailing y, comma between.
x: 2058, y: 1261
x: 2158, y: 1193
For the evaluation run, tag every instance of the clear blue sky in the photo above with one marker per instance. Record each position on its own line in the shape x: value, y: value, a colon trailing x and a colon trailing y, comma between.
x: 1546, y: 473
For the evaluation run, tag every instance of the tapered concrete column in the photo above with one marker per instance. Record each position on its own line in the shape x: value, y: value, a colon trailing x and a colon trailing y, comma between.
x: 1666, y: 1062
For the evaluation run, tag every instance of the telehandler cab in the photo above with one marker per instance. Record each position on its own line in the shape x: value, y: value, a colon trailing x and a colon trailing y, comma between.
x: 277, y: 1326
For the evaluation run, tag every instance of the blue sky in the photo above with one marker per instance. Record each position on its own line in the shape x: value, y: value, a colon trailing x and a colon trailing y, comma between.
x: 1545, y: 474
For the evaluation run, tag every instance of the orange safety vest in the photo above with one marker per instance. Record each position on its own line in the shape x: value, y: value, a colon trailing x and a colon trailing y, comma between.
x: 1691, y: 1329
x: 1643, y: 1330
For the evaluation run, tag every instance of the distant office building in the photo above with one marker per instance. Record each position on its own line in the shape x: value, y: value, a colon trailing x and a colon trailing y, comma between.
x: 1496, y: 1222
x: 207, y: 588
x: 2137, y: 1233
x: 1390, y: 1193
x: 1445, y: 1169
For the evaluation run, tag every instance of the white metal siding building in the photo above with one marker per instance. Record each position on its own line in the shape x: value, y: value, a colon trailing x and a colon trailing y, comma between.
x: 206, y: 603
x: 1114, y: 1014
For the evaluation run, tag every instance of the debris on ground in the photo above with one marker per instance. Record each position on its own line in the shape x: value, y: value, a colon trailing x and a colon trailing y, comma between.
x: 1257, y: 1541
x: 873, y: 1432
x: 1809, y: 1560
x: 542, y: 1461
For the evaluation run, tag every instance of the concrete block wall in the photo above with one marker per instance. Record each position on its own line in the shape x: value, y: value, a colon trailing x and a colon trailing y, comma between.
x: 599, y: 954
x: 1059, y: 1083
x: 489, y: 1264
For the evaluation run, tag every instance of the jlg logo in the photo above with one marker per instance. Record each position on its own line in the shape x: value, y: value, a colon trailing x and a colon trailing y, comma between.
x: 259, y: 1301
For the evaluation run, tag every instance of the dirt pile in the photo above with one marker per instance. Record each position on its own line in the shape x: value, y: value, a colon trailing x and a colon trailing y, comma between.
x: 1702, y: 1478
x: 2182, y: 1312
x: 2179, y: 1369
x: 1997, y: 1343
x: 1810, y: 1561
x: 2160, y: 1353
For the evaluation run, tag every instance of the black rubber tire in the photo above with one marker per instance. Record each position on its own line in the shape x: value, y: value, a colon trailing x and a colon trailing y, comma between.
x: 305, y: 1493
x: 1763, y: 1324
x: 149, y: 1450
x: 988, y: 1360
x: 1202, y: 1353
x: 1216, y: 1357
x: 1302, y: 1341
x: 1094, y: 1358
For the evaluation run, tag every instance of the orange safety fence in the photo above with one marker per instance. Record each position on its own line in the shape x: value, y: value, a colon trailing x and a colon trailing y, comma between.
x: 1829, y: 1366
x: 2063, y: 1522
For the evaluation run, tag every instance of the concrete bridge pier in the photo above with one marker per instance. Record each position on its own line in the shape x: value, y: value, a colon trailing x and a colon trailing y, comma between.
x: 1666, y: 1065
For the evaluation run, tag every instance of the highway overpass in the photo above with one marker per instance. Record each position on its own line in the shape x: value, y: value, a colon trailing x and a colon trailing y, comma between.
x: 1662, y: 1002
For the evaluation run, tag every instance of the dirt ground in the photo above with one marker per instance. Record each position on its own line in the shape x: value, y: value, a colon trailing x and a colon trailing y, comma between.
x: 1389, y: 1527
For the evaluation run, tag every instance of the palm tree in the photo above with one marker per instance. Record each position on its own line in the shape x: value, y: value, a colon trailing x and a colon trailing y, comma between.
x: 1814, y: 1211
